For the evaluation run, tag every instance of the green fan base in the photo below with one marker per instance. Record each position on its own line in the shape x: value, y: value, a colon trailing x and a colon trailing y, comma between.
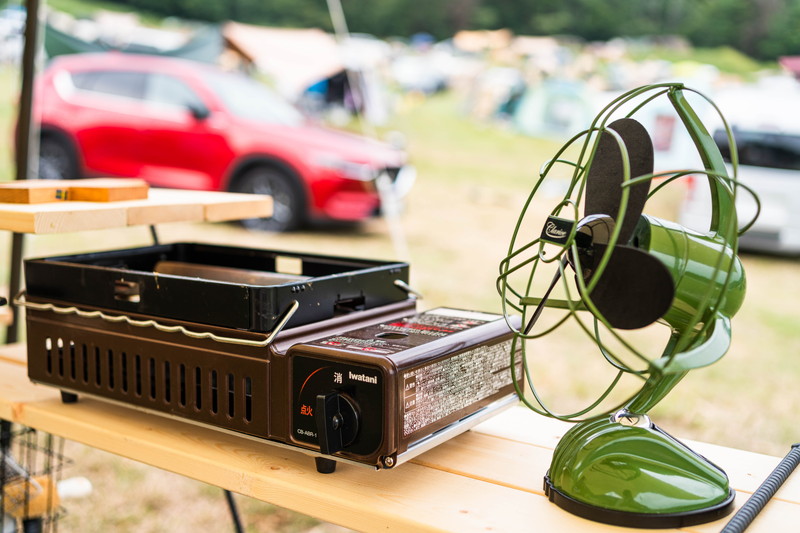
x: 635, y: 476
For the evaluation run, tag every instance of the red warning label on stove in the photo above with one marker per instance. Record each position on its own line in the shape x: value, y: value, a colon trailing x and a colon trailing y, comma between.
x: 408, y: 332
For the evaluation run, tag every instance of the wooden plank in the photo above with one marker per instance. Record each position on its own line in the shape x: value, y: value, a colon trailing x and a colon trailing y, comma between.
x: 521, y: 424
x: 16, y: 391
x: 60, y: 217
x: 746, y: 470
x: 413, y: 497
x: 522, y: 466
x: 82, y: 190
x: 777, y: 517
x: 162, y: 213
x: 107, y: 190
x: 221, y: 206
x: 33, y: 191
x: 14, y: 353
x: 409, y: 498
x: 77, y: 216
x: 479, y: 481
x: 238, y: 207
x: 163, y: 205
x: 173, y: 205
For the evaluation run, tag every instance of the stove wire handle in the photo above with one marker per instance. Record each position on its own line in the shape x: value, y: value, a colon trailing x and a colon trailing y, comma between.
x: 21, y: 301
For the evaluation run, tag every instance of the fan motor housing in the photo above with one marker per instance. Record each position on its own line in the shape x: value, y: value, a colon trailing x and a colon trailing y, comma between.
x: 690, y: 257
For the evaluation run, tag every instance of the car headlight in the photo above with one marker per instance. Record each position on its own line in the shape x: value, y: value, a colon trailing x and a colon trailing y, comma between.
x: 347, y: 169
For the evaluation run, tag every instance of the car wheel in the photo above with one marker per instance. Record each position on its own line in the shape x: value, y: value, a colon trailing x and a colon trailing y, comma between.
x: 288, y: 209
x: 57, y: 160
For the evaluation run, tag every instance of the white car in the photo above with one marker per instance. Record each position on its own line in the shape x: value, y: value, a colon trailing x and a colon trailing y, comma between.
x: 769, y: 163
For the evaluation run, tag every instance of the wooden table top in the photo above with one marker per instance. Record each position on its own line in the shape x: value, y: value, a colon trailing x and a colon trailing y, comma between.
x: 488, y: 479
x: 161, y: 206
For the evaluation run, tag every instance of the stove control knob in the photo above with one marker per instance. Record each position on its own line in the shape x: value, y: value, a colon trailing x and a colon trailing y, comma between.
x: 337, y: 421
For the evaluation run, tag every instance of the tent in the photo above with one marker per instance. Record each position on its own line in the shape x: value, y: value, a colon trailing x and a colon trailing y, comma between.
x: 555, y: 108
x: 294, y: 59
x: 205, y: 45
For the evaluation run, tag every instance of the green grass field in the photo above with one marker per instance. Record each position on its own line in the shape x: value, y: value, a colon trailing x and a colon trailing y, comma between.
x: 473, y: 179
x: 9, y: 89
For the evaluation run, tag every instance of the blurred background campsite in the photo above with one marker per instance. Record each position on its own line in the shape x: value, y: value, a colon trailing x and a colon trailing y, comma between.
x: 478, y: 95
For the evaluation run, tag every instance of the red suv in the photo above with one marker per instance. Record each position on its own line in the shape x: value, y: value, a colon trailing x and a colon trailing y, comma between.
x: 181, y: 124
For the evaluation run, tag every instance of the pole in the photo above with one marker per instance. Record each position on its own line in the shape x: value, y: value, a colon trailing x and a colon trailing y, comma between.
x: 24, y: 130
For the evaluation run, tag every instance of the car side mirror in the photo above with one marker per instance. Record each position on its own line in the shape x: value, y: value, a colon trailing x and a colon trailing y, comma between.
x: 199, y: 111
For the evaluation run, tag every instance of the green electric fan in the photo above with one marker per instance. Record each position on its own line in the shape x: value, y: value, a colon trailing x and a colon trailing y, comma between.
x: 583, y: 253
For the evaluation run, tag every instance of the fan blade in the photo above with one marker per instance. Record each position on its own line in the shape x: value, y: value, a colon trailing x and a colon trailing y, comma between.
x: 634, y: 290
x: 606, y: 174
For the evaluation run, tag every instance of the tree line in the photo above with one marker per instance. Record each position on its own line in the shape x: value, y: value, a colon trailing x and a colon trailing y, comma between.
x: 763, y: 29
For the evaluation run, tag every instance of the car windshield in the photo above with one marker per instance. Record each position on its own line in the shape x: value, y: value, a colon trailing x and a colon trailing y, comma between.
x: 249, y: 99
x: 762, y: 149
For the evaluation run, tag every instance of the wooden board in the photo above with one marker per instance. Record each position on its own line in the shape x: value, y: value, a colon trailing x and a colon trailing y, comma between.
x: 218, y: 207
x: 234, y: 208
x: 16, y: 353
x: 745, y: 469
x: 61, y: 217
x: 32, y: 192
x: 162, y: 205
x: 82, y: 190
x: 17, y: 391
x: 107, y: 190
x: 164, y: 208
x: 488, y: 479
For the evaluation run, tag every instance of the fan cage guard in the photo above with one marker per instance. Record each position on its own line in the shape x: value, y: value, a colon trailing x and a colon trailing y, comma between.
x: 516, y: 301
x: 30, y: 462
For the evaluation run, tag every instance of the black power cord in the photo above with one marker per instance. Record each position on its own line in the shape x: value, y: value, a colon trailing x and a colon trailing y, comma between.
x: 764, y: 492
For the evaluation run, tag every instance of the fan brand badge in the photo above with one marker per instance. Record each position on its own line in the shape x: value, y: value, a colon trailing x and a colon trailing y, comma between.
x: 557, y: 230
